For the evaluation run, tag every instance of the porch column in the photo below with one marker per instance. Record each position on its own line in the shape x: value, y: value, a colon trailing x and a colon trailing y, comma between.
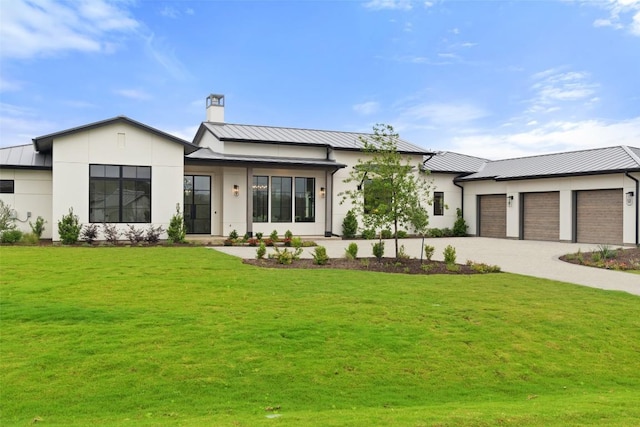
x: 328, y: 203
x: 249, y: 193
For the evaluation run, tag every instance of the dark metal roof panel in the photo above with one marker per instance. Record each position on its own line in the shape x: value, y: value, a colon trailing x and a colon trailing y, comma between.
x: 206, y: 154
x: 593, y: 161
x: 24, y: 156
x: 270, y: 134
x: 447, y: 161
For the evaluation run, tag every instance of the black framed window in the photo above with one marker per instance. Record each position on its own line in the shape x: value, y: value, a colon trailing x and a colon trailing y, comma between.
x: 7, y: 186
x: 119, y: 193
x: 305, y: 199
x: 260, y: 198
x: 281, y: 203
x: 438, y: 203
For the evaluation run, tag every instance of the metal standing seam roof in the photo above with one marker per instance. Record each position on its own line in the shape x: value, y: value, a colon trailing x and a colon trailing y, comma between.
x: 450, y: 162
x: 269, y: 134
x: 585, y: 162
x: 24, y: 156
x: 206, y: 154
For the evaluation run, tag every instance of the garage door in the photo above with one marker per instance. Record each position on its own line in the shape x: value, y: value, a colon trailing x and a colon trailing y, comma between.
x: 493, y: 215
x: 599, y: 216
x: 541, y: 216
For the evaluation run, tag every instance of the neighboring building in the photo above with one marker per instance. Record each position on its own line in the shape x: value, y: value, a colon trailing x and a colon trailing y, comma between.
x: 588, y: 196
x: 259, y: 178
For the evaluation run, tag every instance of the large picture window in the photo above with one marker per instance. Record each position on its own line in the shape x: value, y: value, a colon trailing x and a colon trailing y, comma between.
x: 305, y: 200
x: 281, y: 206
x: 119, y: 193
x: 260, y: 199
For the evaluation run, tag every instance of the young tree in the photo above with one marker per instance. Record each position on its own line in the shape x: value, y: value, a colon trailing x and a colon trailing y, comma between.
x: 389, y: 191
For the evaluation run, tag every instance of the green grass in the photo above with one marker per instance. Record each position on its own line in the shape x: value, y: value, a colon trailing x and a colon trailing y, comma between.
x: 191, y: 337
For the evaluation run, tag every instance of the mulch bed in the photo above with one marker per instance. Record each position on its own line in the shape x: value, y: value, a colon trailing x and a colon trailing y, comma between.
x: 624, y: 257
x: 386, y: 265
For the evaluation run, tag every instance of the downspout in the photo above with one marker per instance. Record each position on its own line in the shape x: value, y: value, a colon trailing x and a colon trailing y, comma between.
x: 461, y: 196
x: 637, y: 207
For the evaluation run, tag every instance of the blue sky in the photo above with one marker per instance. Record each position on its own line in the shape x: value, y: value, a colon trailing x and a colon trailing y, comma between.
x: 493, y: 79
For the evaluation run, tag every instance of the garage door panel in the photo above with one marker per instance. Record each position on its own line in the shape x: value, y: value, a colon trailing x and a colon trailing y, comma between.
x: 599, y: 216
x: 493, y: 215
x: 541, y: 216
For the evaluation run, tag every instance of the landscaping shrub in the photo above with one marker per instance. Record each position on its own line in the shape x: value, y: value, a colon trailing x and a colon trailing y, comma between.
x: 297, y: 242
x: 386, y: 233
x: 134, y: 235
x: 111, y: 233
x: 350, y: 225
x: 274, y: 236
x: 402, y: 254
x: 69, y: 228
x: 402, y: 234
x: 233, y: 235
x: 378, y: 250
x: 285, y: 256
x: 352, y: 251
x: 176, y: 232
x: 320, y: 256
x: 252, y: 242
x: 89, y: 233
x: 30, y: 238
x: 449, y: 255
x: 38, y: 227
x: 259, y: 236
x: 153, y: 234
x: 460, y: 226
x: 261, y: 251
x: 11, y: 236
x: 606, y: 252
x: 429, y: 251
x: 288, y: 234
x: 6, y: 221
x: 483, y: 268
x: 368, y: 234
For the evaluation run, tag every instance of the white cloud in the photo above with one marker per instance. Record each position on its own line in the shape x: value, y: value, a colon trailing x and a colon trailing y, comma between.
x: 169, y: 12
x: 554, y: 87
x: 389, y: 4
x: 9, y: 85
x: 136, y: 94
x: 443, y: 114
x: 623, y: 14
x: 367, y: 108
x: 552, y: 137
x: 44, y: 27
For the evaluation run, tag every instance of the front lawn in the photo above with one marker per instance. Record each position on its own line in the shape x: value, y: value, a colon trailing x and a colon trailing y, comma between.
x: 189, y: 337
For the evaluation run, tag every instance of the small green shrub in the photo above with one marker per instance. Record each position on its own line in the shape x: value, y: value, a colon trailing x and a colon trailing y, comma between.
x: 460, y: 227
x: 607, y: 252
x: 30, y: 239
x: 274, y: 236
x: 368, y: 234
x: 261, y: 251
x: 288, y: 234
x: 434, y: 232
x: 297, y: 242
x: 429, y: 251
x: 449, y: 255
x: 285, y: 256
x: 427, y: 267
x: 320, y: 256
x: 11, y: 236
x: 402, y: 234
x: 402, y: 254
x: 453, y: 268
x: 69, y: 228
x: 89, y: 233
x: 259, y: 236
x: 6, y: 218
x: 364, y: 262
x: 38, y: 227
x: 350, y: 225
x: 378, y: 250
x: 386, y: 233
x: 483, y: 268
x: 233, y: 235
x: 176, y: 232
x: 352, y: 251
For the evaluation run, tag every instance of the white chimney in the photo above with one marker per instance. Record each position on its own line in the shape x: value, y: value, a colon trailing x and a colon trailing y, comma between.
x: 215, y: 108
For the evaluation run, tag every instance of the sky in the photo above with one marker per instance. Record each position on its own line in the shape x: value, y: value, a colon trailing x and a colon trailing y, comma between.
x: 493, y: 79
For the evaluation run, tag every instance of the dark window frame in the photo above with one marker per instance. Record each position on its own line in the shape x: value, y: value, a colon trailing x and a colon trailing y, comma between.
x: 438, y: 203
x: 260, y: 196
x: 305, y: 199
x: 285, y: 210
x: 7, y: 186
x: 120, y: 178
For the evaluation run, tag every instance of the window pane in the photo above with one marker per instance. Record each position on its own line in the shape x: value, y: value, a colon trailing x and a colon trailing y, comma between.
x: 128, y: 171
x: 7, y: 186
x: 305, y: 199
x: 144, y: 172
x: 96, y: 171
x: 202, y: 183
x: 438, y: 203
x: 260, y: 198
x: 112, y: 171
x: 281, y: 205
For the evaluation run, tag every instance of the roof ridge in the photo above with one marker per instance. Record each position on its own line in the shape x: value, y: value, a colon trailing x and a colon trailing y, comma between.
x: 559, y: 153
x: 631, y: 154
x: 292, y: 128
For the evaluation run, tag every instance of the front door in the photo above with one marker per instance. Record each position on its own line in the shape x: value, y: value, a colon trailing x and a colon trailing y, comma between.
x: 197, y: 204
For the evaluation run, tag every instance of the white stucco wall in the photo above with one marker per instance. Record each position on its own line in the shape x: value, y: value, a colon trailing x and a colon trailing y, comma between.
x: 452, y: 199
x: 32, y: 193
x: 275, y: 150
x: 116, y: 144
x: 566, y: 186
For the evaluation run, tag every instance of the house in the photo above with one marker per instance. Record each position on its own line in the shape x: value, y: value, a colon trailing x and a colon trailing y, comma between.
x: 254, y: 179
x: 230, y: 177
x: 587, y: 196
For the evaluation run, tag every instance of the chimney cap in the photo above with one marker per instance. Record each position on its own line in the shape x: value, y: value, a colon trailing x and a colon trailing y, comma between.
x: 215, y: 99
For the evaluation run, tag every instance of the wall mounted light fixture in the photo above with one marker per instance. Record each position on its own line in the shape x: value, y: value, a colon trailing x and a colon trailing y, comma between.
x: 630, y: 195
x: 509, y: 200
x: 236, y: 190
x: 322, y: 192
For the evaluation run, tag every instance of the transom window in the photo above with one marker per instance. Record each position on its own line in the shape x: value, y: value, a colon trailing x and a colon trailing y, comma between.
x: 119, y: 194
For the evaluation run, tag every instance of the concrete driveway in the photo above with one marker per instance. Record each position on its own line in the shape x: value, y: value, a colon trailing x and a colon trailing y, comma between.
x: 531, y: 258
